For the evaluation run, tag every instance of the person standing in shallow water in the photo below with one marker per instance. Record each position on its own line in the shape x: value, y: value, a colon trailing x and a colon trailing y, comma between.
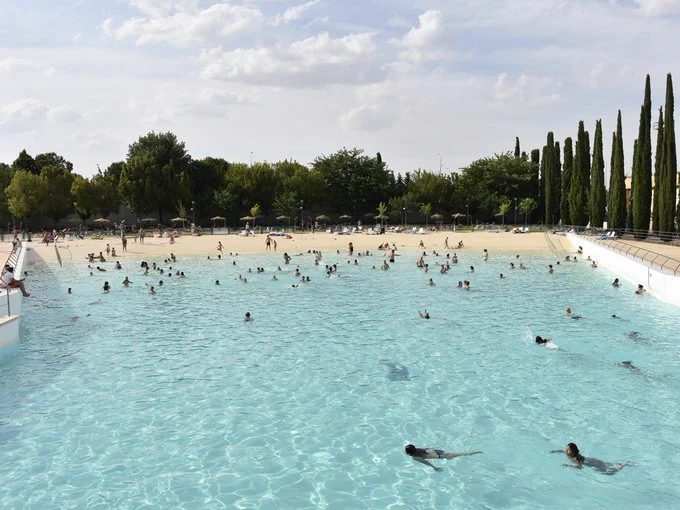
x: 422, y: 454
x: 350, y: 249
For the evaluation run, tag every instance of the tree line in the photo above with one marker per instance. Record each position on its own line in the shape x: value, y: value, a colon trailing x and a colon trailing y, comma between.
x: 160, y: 178
x: 573, y: 191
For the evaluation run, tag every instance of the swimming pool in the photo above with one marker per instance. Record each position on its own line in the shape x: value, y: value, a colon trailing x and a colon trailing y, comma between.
x: 173, y: 401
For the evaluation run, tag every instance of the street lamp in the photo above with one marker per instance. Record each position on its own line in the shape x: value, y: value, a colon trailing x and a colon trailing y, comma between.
x: 515, y: 210
x: 193, y: 212
x: 467, y: 214
x: 302, y: 223
x: 404, y: 211
x: 251, y: 158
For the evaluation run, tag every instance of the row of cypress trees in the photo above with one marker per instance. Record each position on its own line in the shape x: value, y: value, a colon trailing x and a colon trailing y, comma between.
x: 573, y: 190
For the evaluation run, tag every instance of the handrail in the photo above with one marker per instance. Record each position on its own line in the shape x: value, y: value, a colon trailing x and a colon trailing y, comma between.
x: 12, y: 260
x: 625, y: 249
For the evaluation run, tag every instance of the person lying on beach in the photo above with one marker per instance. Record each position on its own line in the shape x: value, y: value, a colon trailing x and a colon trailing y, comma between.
x: 421, y: 454
x: 424, y: 314
x: 579, y: 461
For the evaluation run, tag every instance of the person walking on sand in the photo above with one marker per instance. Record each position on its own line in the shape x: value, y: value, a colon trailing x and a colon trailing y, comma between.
x: 422, y: 454
x: 268, y: 243
x: 220, y: 247
x: 124, y: 241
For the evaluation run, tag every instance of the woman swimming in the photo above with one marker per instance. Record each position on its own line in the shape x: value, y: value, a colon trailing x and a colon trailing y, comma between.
x: 421, y: 454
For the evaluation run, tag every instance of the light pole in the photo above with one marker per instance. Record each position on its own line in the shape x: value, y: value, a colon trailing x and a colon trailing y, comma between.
x: 251, y: 158
x: 404, y: 210
x: 193, y: 212
x: 515, y: 210
x: 467, y: 214
x: 302, y: 223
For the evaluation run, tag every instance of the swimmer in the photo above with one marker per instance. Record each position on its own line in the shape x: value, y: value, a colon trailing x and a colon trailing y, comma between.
x: 217, y: 282
x: 579, y: 461
x: 485, y: 256
x: 421, y: 454
x: 466, y: 285
x: 460, y: 285
x: 274, y: 278
x: 522, y: 266
x: 248, y: 317
x: 640, y: 290
x: 501, y: 276
x: 616, y: 283
x: 594, y: 264
x: 107, y: 287
x: 629, y: 365
x: 571, y: 315
x: 431, y: 283
x: 550, y: 269
x: 152, y: 291
x: 127, y: 281
x: 424, y: 314
x: 472, y: 269
x: 543, y: 341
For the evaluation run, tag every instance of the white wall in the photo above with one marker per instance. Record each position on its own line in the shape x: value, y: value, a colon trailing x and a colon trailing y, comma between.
x: 9, y: 326
x: 665, y: 287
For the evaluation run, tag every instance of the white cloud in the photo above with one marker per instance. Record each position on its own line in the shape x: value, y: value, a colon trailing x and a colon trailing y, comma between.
x: 526, y: 90
x: 317, y: 60
x: 430, y: 40
x: 62, y: 114
x: 183, y: 23
x: 368, y: 117
x: 22, y: 111
x: 659, y: 7
x: 398, y: 22
x: 294, y: 13
x: 11, y: 66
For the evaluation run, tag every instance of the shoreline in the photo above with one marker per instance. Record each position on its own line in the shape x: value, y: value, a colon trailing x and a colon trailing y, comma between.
x: 77, y: 249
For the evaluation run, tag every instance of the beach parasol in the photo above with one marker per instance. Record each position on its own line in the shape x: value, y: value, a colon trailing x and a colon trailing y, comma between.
x: 458, y: 215
x: 102, y: 220
x: 178, y: 219
x: 248, y: 218
x: 218, y: 218
x: 345, y: 217
x: 437, y: 217
x: 147, y: 220
x: 282, y: 218
x: 322, y: 217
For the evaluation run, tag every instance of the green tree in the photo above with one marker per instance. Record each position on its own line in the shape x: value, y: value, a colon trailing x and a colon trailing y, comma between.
x: 105, y: 189
x: 157, y: 171
x: 527, y: 206
x: 426, y: 210
x: 52, y: 159
x: 6, y: 174
x: 503, y: 209
x: 432, y: 188
x: 580, y: 179
x: 307, y: 184
x: 658, y: 156
x: 286, y: 203
x: 226, y: 201
x: 57, y: 202
x: 26, y: 163
x: 405, y: 203
x: 84, y: 197
x: 566, y: 180
x: 617, y: 182
x: 517, y: 149
x: 382, y: 212
x: 255, y: 212
x: 550, y: 180
x: 641, y: 196
x: 597, y: 198
x: 558, y: 178
x: 629, y: 204
x: 354, y: 180
x: 25, y: 195
x: 670, y: 164
x: 534, y: 171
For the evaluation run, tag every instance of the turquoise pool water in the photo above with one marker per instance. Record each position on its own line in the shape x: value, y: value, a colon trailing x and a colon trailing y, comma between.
x: 172, y: 401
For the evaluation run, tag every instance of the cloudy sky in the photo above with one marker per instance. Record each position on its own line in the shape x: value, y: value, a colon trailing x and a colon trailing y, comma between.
x: 296, y: 79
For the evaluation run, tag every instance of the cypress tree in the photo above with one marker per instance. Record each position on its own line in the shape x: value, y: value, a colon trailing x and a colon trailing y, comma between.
x: 669, y: 165
x: 597, y: 199
x: 549, y: 179
x: 558, y: 179
x: 642, y: 168
x: 566, y: 180
x: 541, y: 182
x: 629, y: 204
x: 580, y: 179
x: 535, y: 165
x: 657, y: 169
x: 617, y: 182
x: 517, y: 151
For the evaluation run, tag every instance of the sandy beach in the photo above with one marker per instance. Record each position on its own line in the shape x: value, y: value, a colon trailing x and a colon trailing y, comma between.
x: 154, y: 248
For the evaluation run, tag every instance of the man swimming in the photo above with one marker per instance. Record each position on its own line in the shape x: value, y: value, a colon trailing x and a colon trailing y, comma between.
x: 640, y: 290
x: 616, y: 283
x: 424, y: 314
x: 543, y: 341
x: 421, y: 454
x: 579, y: 461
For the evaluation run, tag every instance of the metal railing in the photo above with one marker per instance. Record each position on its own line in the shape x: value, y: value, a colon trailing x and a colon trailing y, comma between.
x: 649, y: 257
x: 12, y: 261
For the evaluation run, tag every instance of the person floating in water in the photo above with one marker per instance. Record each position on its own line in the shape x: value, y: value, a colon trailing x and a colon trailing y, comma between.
x: 579, y: 461
x: 422, y: 454
x: 640, y: 290
x: 572, y: 315
x: 424, y: 314
x: 629, y: 365
x: 616, y: 283
x: 543, y: 341
x: 248, y: 317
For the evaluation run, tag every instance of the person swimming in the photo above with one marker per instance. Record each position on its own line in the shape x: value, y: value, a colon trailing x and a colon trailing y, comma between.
x: 629, y: 365
x: 248, y: 317
x: 640, y: 290
x: 579, y: 461
x: 431, y: 283
x: 107, y: 287
x: 543, y: 341
x: 616, y: 283
x: 550, y: 269
x: 422, y: 454
x: 424, y: 314
x: 572, y: 315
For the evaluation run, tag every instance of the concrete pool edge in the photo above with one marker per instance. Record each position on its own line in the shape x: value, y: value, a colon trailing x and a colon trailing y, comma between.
x: 663, y: 286
x: 9, y: 324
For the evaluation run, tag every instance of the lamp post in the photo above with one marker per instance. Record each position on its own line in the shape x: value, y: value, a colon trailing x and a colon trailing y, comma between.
x: 515, y: 210
x: 404, y: 211
x: 302, y: 222
x: 193, y: 212
x: 251, y: 159
x: 467, y: 214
